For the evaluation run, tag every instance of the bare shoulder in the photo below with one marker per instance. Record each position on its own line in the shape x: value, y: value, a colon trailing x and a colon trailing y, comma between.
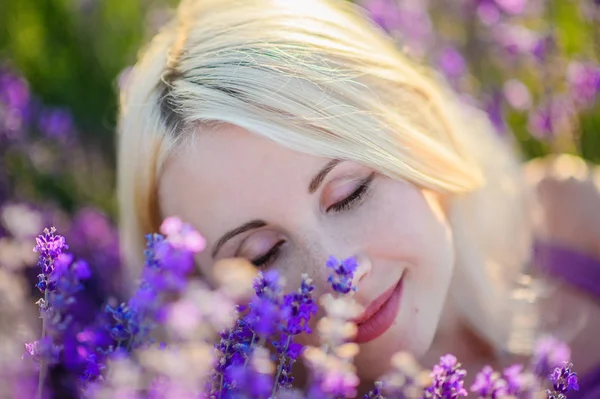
x: 566, y: 201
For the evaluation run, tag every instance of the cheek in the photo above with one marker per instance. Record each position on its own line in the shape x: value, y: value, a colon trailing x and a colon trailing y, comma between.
x: 404, y: 222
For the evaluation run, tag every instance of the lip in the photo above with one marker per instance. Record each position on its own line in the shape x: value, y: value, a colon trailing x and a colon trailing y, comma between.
x: 379, y: 315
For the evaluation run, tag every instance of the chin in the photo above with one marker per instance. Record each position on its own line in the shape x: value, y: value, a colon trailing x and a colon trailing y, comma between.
x: 414, y: 335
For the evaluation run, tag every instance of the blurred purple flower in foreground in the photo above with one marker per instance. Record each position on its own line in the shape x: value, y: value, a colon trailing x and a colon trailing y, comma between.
x: 448, y: 379
x: 343, y: 274
x: 488, y: 384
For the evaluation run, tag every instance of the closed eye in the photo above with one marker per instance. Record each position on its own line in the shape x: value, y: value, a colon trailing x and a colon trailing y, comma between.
x: 351, y: 200
x: 265, y: 260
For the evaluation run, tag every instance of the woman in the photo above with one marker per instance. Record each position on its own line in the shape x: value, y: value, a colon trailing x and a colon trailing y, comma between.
x: 288, y: 131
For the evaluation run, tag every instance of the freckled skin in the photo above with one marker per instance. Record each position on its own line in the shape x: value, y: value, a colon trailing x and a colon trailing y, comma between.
x: 231, y: 176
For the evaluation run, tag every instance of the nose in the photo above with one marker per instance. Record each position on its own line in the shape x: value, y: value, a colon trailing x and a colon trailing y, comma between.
x: 363, y: 269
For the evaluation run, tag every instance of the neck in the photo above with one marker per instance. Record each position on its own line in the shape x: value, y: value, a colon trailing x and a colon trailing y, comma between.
x: 455, y: 336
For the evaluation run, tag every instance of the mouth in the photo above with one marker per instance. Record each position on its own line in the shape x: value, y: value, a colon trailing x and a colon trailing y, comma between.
x: 379, y: 315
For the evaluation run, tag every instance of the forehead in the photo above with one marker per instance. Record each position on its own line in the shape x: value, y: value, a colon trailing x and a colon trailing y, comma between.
x: 228, y: 176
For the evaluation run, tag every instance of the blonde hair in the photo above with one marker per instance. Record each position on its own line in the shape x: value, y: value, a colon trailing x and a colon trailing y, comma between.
x: 319, y: 77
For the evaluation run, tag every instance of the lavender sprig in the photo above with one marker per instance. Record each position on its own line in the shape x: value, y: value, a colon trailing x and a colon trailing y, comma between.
x: 168, y: 261
x: 341, y: 279
x: 59, y: 281
x: 129, y: 326
x: 448, y: 379
x: 564, y: 380
x: 297, y: 309
x: 333, y: 371
x: 268, y: 315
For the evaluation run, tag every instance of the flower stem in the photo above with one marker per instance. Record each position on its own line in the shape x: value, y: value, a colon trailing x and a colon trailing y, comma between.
x: 43, y: 366
x: 250, y: 349
x: 222, y: 374
x: 280, y: 366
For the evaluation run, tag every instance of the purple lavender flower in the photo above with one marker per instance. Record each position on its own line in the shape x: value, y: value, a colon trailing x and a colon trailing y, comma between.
x: 49, y: 246
x: 488, y: 384
x: 563, y: 380
x: 129, y: 325
x: 298, y: 308
x: 288, y: 352
x: 59, y: 281
x: 264, y: 317
x: 233, y: 350
x: 343, y: 274
x: 261, y: 321
x: 448, y: 379
x: 165, y: 273
x: 43, y: 350
x: 267, y: 285
x: 296, y: 311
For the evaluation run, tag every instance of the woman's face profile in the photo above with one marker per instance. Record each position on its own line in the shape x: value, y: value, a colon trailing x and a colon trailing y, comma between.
x: 286, y: 210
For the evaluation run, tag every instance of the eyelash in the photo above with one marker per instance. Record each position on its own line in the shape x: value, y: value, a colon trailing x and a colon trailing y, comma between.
x: 268, y: 258
x: 346, y: 204
x: 357, y: 195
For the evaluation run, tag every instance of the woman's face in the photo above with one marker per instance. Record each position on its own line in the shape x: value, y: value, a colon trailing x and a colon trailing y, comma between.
x: 289, y: 211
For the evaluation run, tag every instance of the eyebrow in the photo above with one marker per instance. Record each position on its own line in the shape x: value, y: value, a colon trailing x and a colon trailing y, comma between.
x: 319, y: 177
x: 253, y: 224
x: 314, y: 185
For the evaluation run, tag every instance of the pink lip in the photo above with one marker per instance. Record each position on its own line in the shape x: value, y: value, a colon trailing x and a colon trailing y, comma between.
x: 379, y: 315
